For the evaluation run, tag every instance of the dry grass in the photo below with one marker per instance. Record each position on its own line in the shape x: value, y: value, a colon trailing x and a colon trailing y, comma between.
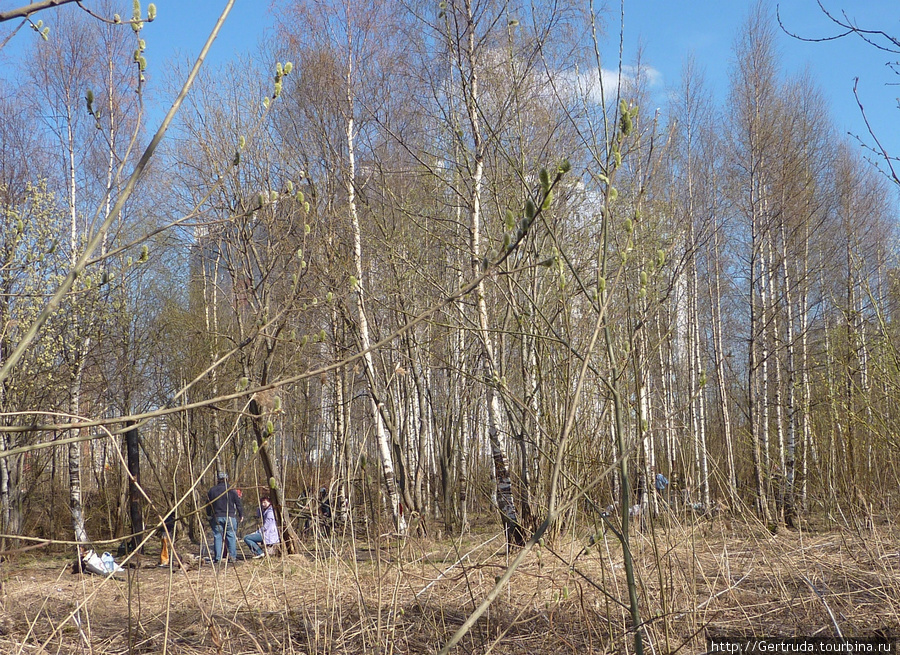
x: 697, y: 580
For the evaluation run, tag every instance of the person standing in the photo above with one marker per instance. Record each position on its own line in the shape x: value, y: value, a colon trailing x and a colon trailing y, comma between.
x: 225, y: 511
x: 267, y: 535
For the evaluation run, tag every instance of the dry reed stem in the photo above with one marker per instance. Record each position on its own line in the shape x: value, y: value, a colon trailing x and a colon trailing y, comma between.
x: 696, y: 580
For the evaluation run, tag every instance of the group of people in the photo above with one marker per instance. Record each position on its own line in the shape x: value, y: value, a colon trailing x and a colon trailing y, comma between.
x: 226, y: 510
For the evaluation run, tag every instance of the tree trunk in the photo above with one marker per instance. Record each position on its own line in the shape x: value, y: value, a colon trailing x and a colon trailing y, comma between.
x: 76, y: 506
x: 273, y: 475
x: 135, y: 512
x: 505, y: 500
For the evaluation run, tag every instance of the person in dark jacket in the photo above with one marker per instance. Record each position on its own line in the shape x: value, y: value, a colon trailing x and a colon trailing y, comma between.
x: 225, y: 511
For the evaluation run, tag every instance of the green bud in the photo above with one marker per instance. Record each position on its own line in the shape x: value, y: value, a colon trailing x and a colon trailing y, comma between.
x: 266, y: 102
x: 145, y: 254
x: 306, y: 209
x: 136, y: 9
x: 273, y: 483
x: 289, y: 186
x: 642, y: 293
x: 510, y: 219
x: 270, y: 427
x: 255, y: 448
x: 303, y: 340
x: 276, y: 404
x: 322, y: 335
x: 242, y: 142
x: 20, y: 226
x: 565, y: 166
x: 45, y: 33
x: 601, y: 284
x: 629, y: 226
x: 627, y: 126
x: 300, y: 197
x: 613, y: 193
x: 151, y: 12
x: 545, y: 180
x: 306, y: 228
x: 89, y: 97
x: 644, y: 278
x: 353, y: 282
x: 529, y: 209
x: 300, y: 253
x: 547, y: 200
x: 288, y: 67
x: 277, y: 90
x: 279, y: 71
x: 242, y: 384
x: 117, y: 18
x: 329, y: 297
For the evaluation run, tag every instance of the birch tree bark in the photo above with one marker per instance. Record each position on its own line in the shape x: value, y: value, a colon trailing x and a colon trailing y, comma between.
x: 490, y: 370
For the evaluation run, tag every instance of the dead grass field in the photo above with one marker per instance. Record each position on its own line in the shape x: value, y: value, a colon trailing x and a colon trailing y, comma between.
x: 710, y: 578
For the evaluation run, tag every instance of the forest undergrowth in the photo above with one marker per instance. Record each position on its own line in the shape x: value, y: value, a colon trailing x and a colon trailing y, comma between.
x: 697, y: 579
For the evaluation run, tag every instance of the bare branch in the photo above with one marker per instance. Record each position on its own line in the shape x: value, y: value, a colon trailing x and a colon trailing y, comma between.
x: 879, y: 148
x: 27, y: 10
x: 849, y: 27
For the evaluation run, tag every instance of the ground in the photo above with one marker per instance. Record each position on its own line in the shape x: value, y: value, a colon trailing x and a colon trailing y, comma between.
x: 696, y: 580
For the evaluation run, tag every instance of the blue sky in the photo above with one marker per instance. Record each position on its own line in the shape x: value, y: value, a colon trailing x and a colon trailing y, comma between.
x: 668, y: 30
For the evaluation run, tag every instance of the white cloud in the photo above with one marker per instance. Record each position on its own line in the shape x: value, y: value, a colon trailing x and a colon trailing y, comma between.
x: 588, y: 84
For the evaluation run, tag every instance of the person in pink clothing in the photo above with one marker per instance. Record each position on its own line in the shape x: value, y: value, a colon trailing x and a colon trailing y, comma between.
x: 267, y: 535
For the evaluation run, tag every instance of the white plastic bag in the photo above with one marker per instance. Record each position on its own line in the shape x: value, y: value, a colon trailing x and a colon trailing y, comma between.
x: 100, y: 565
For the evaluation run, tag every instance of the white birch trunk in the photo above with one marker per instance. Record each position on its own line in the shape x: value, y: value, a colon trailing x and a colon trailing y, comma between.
x: 382, y: 439
x: 496, y: 436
